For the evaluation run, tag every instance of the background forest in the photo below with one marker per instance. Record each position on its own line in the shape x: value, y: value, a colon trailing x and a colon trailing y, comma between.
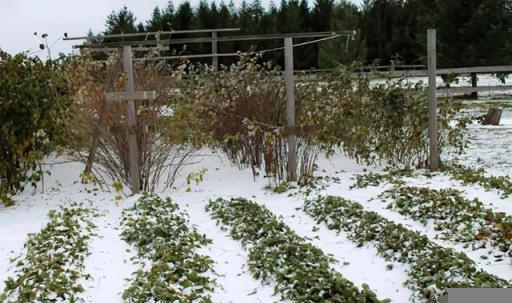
x: 470, y: 32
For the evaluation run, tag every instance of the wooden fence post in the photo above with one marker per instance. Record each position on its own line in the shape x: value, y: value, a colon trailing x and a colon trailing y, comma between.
x: 432, y: 99
x: 215, y: 59
x: 290, y: 108
x: 131, y: 118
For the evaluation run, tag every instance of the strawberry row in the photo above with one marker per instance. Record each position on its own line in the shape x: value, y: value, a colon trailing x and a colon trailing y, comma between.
x: 301, y: 272
x: 468, y: 175
x: 52, y: 265
x: 433, y: 270
x: 455, y: 217
x: 168, y: 243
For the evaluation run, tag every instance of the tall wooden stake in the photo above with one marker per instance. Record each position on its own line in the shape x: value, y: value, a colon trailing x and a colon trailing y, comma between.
x: 290, y: 108
x: 432, y: 99
x: 215, y: 59
x: 131, y: 118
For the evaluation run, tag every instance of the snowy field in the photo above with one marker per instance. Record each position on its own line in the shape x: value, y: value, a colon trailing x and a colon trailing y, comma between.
x: 110, y: 260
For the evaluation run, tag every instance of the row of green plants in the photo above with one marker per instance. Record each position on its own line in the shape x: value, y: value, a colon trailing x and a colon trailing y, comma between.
x: 52, y: 267
x: 390, y: 175
x: 468, y: 175
x: 433, y: 270
x: 171, y: 269
x: 301, y: 271
x: 455, y: 217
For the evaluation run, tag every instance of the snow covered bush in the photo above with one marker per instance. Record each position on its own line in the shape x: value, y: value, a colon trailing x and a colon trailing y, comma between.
x: 171, y: 268
x: 51, y: 268
x: 301, y: 271
x: 34, y: 109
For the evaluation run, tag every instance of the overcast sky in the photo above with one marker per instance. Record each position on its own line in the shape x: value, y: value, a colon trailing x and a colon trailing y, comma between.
x: 19, y: 19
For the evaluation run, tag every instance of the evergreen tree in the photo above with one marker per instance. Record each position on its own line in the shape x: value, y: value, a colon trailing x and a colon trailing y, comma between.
x: 321, y: 15
x: 184, y: 17
x: 155, y: 23
x: 119, y: 22
x: 474, y: 32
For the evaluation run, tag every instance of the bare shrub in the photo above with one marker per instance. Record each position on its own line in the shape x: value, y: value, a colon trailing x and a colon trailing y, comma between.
x: 104, y: 126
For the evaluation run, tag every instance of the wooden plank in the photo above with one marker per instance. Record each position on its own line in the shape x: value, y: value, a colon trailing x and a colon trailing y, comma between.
x: 477, y: 69
x: 135, y: 49
x: 188, y: 31
x: 391, y: 74
x: 238, y: 54
x: 219, y: 39
x: 468, y: 89
x: 131, y: 117
x: 299, y: 130
x: 290, y: 108
x: 432, y: 99
x: 424, y: 73
x: 127, y: 96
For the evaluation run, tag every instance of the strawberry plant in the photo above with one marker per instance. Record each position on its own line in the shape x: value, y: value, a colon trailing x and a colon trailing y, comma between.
x: 455, y: 217
x: 470, y: 175
x: 52, y: 266
x: 164, y: 238
x: 434, y: 269
x: 391, y: 175
x: 301, y: 271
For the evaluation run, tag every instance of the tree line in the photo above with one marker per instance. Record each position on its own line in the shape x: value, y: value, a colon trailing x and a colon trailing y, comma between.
x: 470, y: 32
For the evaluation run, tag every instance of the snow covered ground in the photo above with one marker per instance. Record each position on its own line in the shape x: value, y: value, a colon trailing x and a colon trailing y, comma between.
x: 110, y: 264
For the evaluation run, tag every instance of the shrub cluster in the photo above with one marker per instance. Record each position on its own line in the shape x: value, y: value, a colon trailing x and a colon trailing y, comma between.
x: 52, y: 266
x: 386, y: 121
x: 434, y: 269
x: 244, y: 109
x: 454, y: 216
x: 34, y: 108
x: 301, y: 271
x: 164, y: 238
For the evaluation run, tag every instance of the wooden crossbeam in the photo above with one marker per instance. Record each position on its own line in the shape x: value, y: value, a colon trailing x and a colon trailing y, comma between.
x: 124, y: 96
x: 219, y: 39
x: 468, y: 89
x: 147, y: 34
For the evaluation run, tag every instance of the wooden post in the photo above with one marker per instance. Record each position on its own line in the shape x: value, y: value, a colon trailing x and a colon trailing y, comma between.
x: 131, y: 118
x: 432, y: 99
x: 290, y: 108
x: 474, y: 83
x: 215, y: 59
